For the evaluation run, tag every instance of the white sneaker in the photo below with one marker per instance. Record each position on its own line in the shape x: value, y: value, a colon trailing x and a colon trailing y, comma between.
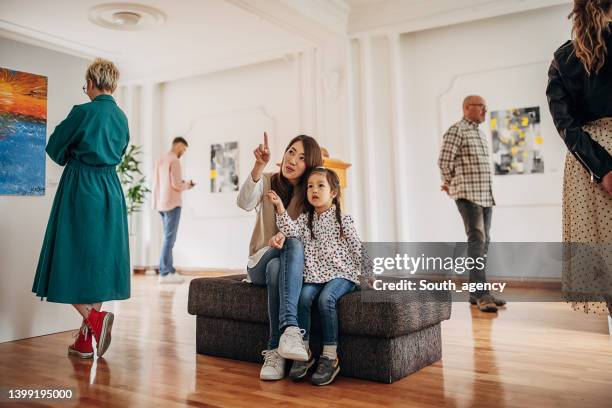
x: 291, y: 344
x: 170, y: 278
x: 273, y: 367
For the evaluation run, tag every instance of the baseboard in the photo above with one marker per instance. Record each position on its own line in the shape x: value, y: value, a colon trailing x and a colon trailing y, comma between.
x: 141, y: 270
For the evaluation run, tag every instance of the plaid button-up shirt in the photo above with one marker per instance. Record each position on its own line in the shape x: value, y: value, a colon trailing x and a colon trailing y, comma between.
x: 465, y: 165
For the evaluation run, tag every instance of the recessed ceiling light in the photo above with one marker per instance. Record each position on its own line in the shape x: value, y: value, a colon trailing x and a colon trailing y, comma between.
x: 126, y: 16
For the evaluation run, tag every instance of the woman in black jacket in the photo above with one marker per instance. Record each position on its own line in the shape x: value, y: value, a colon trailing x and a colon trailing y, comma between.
x: 580, y: 99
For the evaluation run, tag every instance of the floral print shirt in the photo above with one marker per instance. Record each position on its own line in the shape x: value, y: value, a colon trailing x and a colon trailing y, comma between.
x: 327, y: 255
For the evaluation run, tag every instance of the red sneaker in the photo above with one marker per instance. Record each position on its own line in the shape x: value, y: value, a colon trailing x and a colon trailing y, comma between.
x: 100, y: 324
x: 82, y: 346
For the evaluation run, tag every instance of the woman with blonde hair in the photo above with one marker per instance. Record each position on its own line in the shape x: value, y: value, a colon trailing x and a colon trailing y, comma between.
x: 580, y: 98
x: 84, y: 259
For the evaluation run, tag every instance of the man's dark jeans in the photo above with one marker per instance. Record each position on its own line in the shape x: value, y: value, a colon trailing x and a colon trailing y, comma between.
x: 477, y: 222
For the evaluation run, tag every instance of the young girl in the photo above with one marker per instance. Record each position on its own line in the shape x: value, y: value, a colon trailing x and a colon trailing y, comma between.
x: 333, y: 260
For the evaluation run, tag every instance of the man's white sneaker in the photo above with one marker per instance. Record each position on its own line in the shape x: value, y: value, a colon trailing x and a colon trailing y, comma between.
x: 291, y: 344
x: 170, y: 278
x: 273, y: 367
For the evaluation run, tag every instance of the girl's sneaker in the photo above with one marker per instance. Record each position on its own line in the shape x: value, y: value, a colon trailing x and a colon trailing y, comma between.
x: 327, y: 370
x: 273, y: 367
x: 299, y: 369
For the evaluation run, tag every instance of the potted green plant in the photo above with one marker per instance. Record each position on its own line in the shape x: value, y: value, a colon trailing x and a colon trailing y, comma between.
x: 134, y: 187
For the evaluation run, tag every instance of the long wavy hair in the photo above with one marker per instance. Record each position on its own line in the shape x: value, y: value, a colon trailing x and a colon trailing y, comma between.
x: 312, y: 158
x: 590, y: 21
x: 334, y: 186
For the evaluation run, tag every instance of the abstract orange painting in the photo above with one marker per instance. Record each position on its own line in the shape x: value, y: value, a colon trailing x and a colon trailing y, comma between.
x: 23, y: 126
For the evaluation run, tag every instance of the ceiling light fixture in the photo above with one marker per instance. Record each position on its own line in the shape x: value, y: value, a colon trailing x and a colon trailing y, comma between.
x: 126, y: 16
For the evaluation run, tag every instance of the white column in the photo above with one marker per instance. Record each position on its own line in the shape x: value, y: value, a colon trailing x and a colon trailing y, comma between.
x: 318, y: 93
x: 146, y: 140
x: 296, y: 59
x: 399, y: 137
x: 368, y: 117
x: 354, y: 187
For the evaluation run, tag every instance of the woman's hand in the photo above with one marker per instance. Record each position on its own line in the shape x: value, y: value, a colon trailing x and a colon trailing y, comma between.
x: 277, y: 241
x: 276, y: 201
x: 262, y: 157
x: 606, y: 182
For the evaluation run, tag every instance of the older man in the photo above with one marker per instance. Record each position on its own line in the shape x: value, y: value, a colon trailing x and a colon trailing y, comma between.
x: 466, y: 176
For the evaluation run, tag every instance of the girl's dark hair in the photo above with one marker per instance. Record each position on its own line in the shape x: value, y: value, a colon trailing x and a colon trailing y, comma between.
x: 590, y: 21
x: 312, y: 157
x: 334, y: 185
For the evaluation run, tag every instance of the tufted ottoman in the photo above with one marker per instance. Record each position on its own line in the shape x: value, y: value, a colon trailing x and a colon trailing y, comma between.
x: 383, y: 336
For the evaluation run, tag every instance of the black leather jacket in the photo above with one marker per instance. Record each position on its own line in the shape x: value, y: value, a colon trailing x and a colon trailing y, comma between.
x: 576, y: 98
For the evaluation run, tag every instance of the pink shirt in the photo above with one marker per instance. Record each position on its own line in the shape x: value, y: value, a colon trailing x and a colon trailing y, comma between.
x: 168, y: 183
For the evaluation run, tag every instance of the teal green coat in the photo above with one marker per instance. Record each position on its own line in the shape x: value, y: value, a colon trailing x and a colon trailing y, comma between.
x: 85, y: 254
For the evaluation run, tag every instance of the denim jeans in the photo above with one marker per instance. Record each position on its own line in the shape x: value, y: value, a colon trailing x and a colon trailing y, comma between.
x: 170, y: 220
x: 329, y: 293
x: 477, y: 222
x: 281, y: 271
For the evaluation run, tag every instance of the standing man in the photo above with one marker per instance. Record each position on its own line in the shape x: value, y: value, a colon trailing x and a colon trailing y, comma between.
x: 466, y: 176
x: 168, y: 186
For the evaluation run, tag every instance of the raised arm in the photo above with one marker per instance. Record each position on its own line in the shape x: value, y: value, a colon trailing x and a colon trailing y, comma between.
x: 251, y: 192
x: 64, y: 136
x: 594, y: 158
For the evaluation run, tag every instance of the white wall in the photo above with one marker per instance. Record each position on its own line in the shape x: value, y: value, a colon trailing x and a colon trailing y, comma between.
x: 23, y: 219
x: 504, y: 59
x: 389, y: 128
x: 237, y: 105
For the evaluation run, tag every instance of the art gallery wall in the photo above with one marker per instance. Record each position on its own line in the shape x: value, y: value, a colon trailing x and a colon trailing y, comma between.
x: 504, y: 59
x: 406, y: 90
x: 236, y: 105
x: 23, y: 219
x: 300, y: 93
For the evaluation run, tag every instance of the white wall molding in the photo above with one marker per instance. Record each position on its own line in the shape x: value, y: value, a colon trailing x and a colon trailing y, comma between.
x: 53, y: 42
x: 401, y: 16
x: 315, y: 20
x: 221, y: 65
x: 369, y: 165
x: 457, y: 77
x: 399, y: 137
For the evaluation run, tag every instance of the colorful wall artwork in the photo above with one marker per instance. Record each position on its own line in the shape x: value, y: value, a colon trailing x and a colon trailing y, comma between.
x: 23, y: 128
x: 517, y: 141
x: 224, y: 167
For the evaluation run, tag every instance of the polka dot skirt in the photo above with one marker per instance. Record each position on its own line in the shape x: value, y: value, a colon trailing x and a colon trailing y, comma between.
x: 587, y: 232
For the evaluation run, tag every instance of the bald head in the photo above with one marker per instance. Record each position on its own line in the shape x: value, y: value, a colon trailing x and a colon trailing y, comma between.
x: 474, y: 108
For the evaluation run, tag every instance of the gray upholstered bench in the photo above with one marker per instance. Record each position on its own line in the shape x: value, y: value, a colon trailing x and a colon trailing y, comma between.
x: 383, y: 336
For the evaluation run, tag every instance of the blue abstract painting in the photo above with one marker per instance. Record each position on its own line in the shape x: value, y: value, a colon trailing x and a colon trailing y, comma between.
x: 23, y: 127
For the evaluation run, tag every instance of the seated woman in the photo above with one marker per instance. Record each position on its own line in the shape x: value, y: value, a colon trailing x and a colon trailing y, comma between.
x: 279, y: 265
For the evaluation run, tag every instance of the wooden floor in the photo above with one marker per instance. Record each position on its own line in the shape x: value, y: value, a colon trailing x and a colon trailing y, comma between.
x: 529, y: 355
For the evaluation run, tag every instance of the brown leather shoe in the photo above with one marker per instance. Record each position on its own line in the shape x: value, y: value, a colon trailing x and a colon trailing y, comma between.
x: 486, y: 304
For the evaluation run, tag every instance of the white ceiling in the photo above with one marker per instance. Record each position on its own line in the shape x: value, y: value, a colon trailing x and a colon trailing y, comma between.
x: 201, y: 36
x: 198, y: 35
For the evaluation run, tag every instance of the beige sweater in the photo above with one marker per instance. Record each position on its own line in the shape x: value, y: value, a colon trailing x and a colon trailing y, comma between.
x: 252, y: 196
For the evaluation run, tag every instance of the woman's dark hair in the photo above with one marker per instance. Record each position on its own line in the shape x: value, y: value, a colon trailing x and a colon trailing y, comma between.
x: 334, y: 186
x: 590, y: 21
x: 312, y: 157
